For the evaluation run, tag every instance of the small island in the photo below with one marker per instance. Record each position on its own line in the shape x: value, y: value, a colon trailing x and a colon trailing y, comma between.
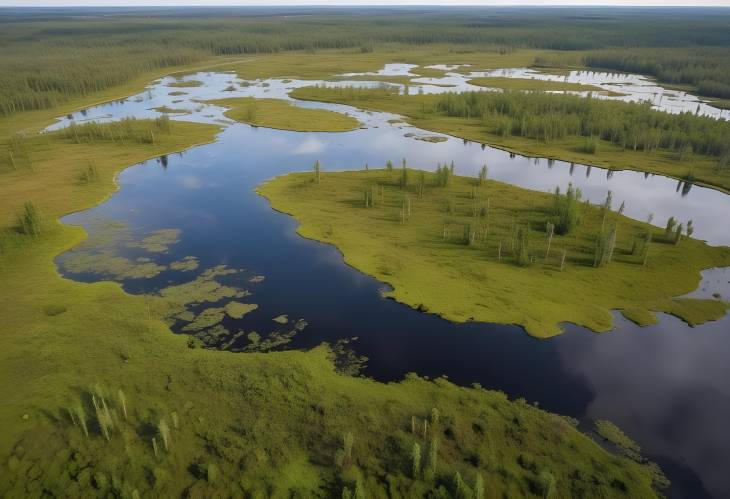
x: 473, y: 249
x: 532, y: 84
x: 282, y: 115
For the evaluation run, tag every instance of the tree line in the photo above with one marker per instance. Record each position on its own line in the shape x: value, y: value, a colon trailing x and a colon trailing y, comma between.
x: 47, y: 59
x: 548, y: 117
x: 705, y: 68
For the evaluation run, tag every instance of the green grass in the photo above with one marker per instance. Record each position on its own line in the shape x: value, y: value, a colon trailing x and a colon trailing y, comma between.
x: 282, y: 115
x: 418, y: 111
x: 465, y: 282
x: 532, y: 84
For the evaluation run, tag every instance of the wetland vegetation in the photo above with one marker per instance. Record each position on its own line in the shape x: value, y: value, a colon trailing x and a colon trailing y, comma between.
x: 479, y: 250
x: 100, y: 398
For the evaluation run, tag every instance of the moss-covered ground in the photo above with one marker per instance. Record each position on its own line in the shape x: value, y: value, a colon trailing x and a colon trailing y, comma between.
x: 455, y: 254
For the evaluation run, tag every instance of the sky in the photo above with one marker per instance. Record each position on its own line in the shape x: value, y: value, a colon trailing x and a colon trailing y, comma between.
x: 119, y: 3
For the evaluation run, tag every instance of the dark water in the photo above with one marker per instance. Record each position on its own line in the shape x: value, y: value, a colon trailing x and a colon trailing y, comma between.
x: 667, y: 386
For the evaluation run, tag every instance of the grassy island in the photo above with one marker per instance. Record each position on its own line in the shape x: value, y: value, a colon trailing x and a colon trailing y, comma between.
x: 283, y: 115
x: 531, y: 84
x: 611, y: 134
x: 478, y: 250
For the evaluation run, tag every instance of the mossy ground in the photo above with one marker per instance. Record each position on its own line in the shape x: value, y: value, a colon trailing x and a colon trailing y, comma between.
x: 461, y: 282
x: 417, y: 110
x: 282, y: 115
x: 268, y: 425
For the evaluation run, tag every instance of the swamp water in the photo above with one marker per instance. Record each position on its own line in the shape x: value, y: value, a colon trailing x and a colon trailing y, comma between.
x: 189, y: 226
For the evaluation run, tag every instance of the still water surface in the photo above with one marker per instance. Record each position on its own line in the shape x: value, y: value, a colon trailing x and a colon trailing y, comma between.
x: 667, y: 385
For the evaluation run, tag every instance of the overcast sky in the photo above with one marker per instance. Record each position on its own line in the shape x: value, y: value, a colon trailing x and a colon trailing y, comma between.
x: 118, y: 3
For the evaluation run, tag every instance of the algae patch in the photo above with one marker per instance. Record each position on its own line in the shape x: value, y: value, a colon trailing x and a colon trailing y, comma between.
x: 158, y: 241
x: 185, y: 264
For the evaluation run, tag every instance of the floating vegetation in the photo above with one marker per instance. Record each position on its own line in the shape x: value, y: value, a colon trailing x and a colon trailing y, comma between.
x: 215, y: 337
x: 345, y: 359
x: 185, y: 264
x: 281, y: 319
x: 158, y: 241
x: 170, y: 110
x: 207, y: 318
x: 173, y: 302
x: 185, y: 83
x: 106, y: 263
x: 431, y: 138
x: 99, y: 254
x: 177, y: 92
x: 204, y: 288
x: 257, y: 278
x: 237, y: 310
x: 275, y: 340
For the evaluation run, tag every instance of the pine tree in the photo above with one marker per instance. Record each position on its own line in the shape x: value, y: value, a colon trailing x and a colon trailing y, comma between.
x: 521, y: 245
x: 317, y: 172
x: 164, y: 433
x: 347, y: 442
x: 550, y: 229
x: 483, y: 174
x: 421, y: 183
x: 433, y: 454
x: 479, y: 487
x: 678, y: 234
x: 416, y: 460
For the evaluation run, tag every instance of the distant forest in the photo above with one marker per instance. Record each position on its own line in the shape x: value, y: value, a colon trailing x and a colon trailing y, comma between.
x: 50, y: 55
